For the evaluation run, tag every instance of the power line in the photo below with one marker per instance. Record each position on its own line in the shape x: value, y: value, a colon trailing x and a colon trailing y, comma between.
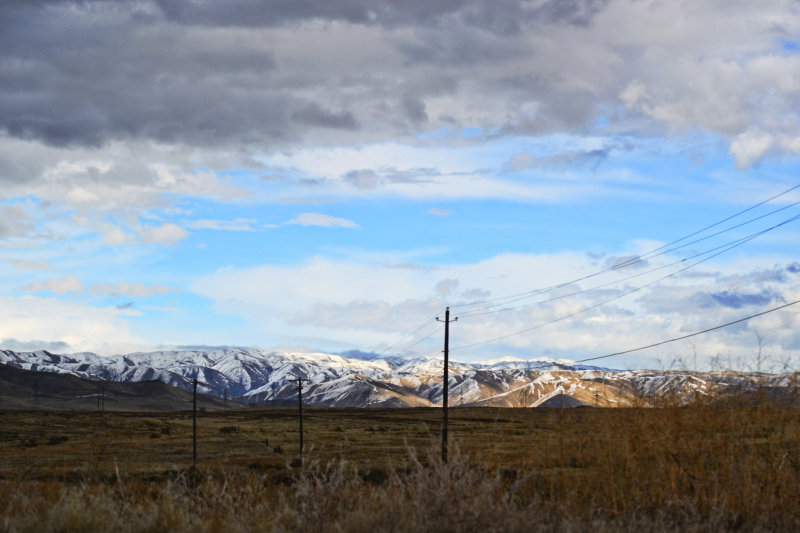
x: 428, y: 336
x: 629, y: 263
x: 619, y: 296
x: 652, y: 253
x: 411, y: 335
x: 661, y: 250
x: 787, y: 191
x: 690, y: 335
x: 742, y: 240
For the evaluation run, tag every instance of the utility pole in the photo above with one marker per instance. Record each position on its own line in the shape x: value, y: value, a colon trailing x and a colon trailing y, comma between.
x: 194, y: 421
x: 300, y: 413
x: 446, y: 378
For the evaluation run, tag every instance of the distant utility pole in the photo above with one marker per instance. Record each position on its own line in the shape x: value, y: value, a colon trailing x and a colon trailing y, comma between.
x: 101, y: 400
x: 446, y: 378
x: 194, y: 421
x: 300, y: 413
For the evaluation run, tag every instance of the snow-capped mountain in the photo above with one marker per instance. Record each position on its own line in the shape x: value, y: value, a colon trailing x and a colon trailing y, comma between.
x: 260, y: 377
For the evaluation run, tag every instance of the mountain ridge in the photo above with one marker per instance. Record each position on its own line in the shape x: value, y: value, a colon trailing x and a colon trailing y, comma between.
x: 260, y: 377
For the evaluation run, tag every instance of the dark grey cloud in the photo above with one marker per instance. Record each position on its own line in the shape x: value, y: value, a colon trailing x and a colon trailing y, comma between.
x: 274, y: 74
x: 501, y: 16
x: 281, y: 12
x: 362, y: 179
x: 207, y: 73
x: 737, y: 300
x: 314, y: 115
x: 414, y: 108
x: 794, y: 268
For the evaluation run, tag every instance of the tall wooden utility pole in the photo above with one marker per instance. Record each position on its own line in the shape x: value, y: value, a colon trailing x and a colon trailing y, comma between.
x: 194, y: 421
x: 300, y: 413
x: 446, y: 378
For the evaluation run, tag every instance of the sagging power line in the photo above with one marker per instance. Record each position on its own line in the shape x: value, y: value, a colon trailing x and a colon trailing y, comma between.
x: 690, y: 335
x: 724, y: 247
x: 411, y: 336
x: 661, y: 250
x: 622, y: 295
x: 500, y: 304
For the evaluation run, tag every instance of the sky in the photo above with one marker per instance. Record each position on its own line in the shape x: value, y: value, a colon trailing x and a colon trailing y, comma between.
x: 572, y: 178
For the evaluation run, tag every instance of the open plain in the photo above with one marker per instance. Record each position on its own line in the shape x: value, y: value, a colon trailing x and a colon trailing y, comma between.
x: 700, y: 468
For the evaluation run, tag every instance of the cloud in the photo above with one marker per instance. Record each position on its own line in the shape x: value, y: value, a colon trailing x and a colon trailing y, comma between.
x: 35, y: 345
x: 625, y: 262
x: 30, y: 265
x: 591, y: 159
x: 15, y: 222
x: 238, y: 224
x: 737, y: 300
x: 446, y: 287
x: 372, y: 306
x: 321, y: 220
x: 439, y: 212
x: 166, y: 233
x: 749, y: 147
x: 314, y: 115
x: 294, y: 73
x: 121, y: 288
x: 70, y: 326
x: 71, y: 284
x: 362, y: 179
x: 62, y: 285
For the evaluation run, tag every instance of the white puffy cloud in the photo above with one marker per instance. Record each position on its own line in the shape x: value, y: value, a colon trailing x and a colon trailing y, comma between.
x: 749, y: 147
x: 25, y: 320
x: 165, y: 233
x: 374, y: 305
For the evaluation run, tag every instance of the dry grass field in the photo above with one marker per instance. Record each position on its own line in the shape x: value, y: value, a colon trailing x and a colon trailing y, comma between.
x: 698, y: 468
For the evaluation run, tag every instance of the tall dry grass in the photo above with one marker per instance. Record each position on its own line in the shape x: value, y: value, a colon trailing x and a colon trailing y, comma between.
x: 668, y: 469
